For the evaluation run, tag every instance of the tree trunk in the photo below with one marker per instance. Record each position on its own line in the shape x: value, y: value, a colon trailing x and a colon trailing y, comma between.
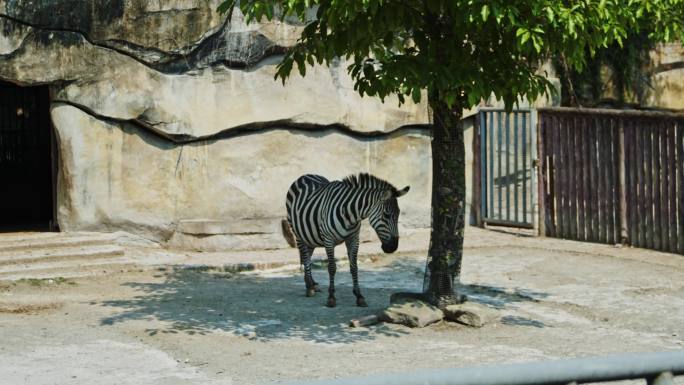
x: 448, y: 204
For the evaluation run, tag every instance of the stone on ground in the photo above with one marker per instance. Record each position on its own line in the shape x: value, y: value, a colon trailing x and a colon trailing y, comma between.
x: 470, y: 314
x: 412, y: 313
x: 365, y: 321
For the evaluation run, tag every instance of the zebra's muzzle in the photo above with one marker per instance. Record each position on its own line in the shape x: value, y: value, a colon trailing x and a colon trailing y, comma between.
x: 391, y: 245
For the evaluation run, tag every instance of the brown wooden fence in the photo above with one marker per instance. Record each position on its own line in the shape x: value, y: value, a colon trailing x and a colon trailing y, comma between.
x: 612, y: 176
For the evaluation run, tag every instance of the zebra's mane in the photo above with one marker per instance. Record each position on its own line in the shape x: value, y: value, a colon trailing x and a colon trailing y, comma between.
x: 368, y: 181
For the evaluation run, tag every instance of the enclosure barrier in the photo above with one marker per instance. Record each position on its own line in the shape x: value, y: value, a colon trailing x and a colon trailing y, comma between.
x: 656, y: 368
x: 504, y: 149
x: 612, y: 176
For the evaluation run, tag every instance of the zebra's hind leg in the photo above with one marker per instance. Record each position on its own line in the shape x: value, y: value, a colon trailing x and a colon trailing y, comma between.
x: 352, y: 251
x: 305, y: 253
x: 332, y: 268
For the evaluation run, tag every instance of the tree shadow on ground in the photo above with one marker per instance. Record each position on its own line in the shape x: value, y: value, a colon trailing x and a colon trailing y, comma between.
x: 259, y: 305
x: 272, y: 305
x: 522, y: 321
x: 500, y: 297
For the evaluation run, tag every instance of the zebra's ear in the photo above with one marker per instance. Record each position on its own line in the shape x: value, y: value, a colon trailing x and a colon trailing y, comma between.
x: 387, y: 195
x: 402, y: 192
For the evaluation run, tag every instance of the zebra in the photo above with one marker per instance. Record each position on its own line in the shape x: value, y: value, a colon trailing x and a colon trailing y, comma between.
x: 325, y: 214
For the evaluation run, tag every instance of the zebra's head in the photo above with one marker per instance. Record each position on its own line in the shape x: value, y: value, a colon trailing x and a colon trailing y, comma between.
x: 384, y: 218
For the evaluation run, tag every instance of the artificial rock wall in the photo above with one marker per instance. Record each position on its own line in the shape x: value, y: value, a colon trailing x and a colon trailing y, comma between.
x: 667, y: 83
x: 169, y: 123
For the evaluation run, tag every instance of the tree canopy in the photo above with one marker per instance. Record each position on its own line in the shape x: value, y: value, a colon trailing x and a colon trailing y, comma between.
x: 460, y: 51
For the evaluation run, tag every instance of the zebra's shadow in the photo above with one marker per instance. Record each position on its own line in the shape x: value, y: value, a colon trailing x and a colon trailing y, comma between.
x: 264, y: 306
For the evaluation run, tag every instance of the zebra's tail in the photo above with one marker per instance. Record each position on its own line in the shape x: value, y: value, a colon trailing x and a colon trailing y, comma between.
x: 288, y: 233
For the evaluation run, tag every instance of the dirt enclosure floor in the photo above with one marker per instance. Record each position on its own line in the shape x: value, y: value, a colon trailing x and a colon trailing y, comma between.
x: 555, y: 299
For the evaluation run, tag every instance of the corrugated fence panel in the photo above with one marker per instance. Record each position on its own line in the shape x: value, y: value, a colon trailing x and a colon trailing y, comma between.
x: 581, y: 173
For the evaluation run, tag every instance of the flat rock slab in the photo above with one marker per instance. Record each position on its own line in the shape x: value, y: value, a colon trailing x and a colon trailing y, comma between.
x: 470, y: 314
x: 412, y: 313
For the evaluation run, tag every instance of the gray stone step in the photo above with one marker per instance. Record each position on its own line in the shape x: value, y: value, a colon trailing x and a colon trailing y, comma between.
x: 69, y: 269
x: 19, y: 235
x: 8, y: 259
x: 19, y: 243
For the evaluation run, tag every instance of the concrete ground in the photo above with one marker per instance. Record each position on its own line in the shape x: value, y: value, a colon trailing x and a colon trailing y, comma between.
x: 180, y: 325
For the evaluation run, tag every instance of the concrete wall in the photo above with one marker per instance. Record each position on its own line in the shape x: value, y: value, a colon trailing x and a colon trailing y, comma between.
x: 668, y: 77
x: 169, y: 123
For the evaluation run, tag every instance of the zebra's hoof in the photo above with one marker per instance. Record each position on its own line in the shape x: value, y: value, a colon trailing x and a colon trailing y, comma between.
x: 310, y: 292
x: 317, y: 288
x: 361, y: 302
x: 331, y: 302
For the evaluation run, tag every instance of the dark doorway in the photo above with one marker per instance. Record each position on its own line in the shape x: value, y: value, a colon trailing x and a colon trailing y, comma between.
x: 26, y: 182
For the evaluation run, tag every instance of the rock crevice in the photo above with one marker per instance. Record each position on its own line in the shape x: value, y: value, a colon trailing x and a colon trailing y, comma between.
x: 251, y: 128
x: 235, y: 50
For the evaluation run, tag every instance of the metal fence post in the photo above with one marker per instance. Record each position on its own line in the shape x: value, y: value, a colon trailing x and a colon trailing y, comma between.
x: 538, y: 201
x: 476, y: 197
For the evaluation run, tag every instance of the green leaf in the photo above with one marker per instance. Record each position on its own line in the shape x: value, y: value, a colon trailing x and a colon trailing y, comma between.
x: 524, y: 37
x: 301, y: 66
x: 368, y: 71
x: 285, y: 68
x: 225, y: 6
x: 485, y: 12
x: 415, y: 95
x: 537, y: 44
x: 571, y: 27
x: 269, y: 11
x: 473, y: 98
x: 450, y: 99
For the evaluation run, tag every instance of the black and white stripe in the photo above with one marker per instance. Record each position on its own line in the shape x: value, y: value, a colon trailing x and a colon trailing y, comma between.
x: 325, y: 214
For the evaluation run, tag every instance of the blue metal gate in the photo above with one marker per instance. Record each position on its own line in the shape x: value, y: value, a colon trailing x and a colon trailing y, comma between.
x: 507, y: 145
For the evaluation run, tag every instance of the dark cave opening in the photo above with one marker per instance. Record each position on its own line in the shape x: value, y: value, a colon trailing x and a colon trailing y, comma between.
x: 26, y: 159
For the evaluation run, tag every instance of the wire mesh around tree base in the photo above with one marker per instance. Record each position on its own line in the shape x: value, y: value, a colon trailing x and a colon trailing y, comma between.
x: 439, y: 282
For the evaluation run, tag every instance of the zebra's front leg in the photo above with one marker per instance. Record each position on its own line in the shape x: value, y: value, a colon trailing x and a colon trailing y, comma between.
x: 352, y: 252
x: 305, y: 253
x: 332, y: 268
